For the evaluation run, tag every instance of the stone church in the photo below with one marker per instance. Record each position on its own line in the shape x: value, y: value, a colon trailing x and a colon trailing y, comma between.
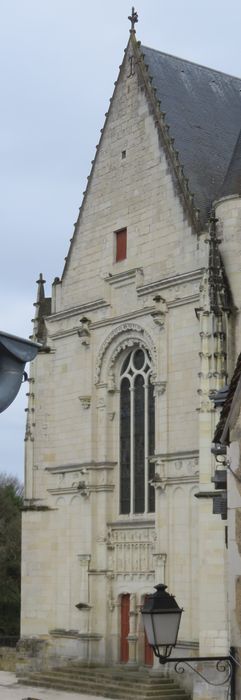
x: 141, y: 330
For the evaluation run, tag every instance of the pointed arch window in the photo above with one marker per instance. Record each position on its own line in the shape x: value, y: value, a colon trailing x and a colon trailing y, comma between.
x: 137, y: 434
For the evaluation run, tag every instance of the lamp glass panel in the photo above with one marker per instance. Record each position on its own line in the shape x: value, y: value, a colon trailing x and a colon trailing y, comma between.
x: 165, y: 627
x: 147, y: 621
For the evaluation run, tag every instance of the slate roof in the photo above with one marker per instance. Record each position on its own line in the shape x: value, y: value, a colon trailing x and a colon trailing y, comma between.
x: 227, y: 404
x: 203, y: 110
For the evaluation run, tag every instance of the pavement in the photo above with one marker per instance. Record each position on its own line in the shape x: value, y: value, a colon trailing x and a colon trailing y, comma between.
x: 11, y: 689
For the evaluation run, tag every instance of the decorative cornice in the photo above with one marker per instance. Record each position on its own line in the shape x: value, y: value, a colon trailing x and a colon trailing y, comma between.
x: 84, y: 490
x: 190, y: 299
x: 62, y: 468
x: 191, y: 479
x: 124, y: 278
x: 129, y: 524
x: 172, y: 281
x: 174, y: 456
x: 83, y: 309
x: 137, y: 313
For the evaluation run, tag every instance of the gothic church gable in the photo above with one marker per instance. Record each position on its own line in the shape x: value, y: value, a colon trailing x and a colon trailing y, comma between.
x: 132, y: 186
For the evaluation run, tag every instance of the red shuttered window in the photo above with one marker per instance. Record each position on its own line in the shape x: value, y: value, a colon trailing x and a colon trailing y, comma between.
x: 120, y: 244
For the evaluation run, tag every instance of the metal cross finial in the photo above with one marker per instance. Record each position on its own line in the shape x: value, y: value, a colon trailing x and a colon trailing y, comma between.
x: 133, y: 19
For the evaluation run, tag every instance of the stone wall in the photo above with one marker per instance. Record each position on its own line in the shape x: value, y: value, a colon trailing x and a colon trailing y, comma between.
x: 8, y: 659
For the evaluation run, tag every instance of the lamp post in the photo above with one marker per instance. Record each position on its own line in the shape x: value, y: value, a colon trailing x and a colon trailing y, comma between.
x: 161, y: 618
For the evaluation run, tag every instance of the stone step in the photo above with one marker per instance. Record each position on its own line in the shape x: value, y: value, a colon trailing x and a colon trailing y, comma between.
x: 131, y: 675
x: 118, y: 695
x: 91, y: 686
x: 125, y: 679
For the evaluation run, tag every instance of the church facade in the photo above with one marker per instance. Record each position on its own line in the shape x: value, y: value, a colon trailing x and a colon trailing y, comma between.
x: 141, y: 328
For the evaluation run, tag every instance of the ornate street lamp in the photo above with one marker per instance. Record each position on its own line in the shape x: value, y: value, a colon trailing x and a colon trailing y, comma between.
x: 161, y: 618
x: 14, y: 353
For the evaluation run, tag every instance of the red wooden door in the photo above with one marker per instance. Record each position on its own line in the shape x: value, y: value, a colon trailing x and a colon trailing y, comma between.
x: 148, y: 653
x: 125, y: 626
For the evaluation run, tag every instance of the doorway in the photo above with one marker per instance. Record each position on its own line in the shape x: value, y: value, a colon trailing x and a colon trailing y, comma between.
x: 125, y: 628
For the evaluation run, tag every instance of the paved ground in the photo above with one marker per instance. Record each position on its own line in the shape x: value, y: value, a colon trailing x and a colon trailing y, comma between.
x: 10, y: 689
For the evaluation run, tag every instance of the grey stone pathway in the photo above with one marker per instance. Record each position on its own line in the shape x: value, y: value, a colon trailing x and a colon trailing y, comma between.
x: 10, y: 689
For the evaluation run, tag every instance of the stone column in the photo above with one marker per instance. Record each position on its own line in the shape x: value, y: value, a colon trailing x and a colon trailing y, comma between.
x: 132, y: 636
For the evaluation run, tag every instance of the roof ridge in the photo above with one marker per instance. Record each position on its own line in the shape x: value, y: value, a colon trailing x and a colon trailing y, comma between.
x: 193, y: 63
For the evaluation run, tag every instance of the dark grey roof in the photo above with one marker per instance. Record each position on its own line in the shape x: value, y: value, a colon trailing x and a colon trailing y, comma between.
x: 203, y: 110
x: 232, y: 182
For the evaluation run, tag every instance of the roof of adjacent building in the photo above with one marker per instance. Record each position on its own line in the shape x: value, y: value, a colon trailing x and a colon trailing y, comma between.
x: 203, y: 111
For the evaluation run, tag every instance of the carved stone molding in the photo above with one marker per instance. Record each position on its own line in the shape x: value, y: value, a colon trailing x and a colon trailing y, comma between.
x: 125, y: 277
x: 111, y: 385
x: 159, y: 386
x: 160, y: 558
x: 130, y: 550
x: 85, y: 401
x: 84, y: 332
x: 158, y: 318
x: 101, y: 403
x: 174, y: 468
x: 133, y: 335
x: 111, y: 415
x: 84, y: 559
x: 160, y: 311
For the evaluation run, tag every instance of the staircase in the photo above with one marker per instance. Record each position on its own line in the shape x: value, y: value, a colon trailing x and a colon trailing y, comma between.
x: 109, y: 682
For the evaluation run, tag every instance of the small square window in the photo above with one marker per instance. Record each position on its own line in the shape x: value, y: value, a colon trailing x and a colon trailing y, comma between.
x: 120, y: 244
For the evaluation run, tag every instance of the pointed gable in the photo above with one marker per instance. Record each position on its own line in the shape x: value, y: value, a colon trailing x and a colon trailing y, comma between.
x: 203, y: 110
x: 136, y: 183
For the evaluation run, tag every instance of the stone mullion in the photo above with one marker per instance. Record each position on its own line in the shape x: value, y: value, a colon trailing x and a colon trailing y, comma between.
x: 132, y: 449
x: 146, y: 442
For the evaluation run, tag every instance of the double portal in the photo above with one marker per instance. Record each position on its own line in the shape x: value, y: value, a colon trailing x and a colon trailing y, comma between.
x: 124, y: 631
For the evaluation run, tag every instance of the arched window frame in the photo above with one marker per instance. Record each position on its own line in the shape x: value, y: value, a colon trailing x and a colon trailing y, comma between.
x: 129, y: 372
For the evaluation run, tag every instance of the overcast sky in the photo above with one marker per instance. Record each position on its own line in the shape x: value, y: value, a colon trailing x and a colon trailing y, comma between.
x: 59, y: 60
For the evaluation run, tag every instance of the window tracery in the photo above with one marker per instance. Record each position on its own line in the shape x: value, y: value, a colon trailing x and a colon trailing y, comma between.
x: 137, y: 434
